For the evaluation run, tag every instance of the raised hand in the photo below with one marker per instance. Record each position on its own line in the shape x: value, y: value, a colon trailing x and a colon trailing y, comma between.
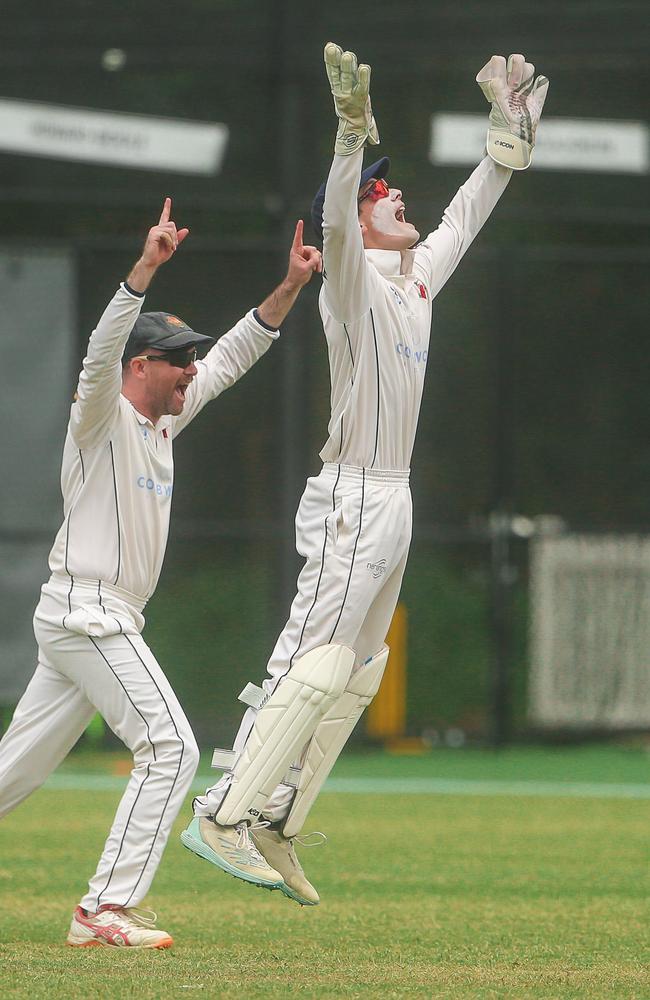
x: 303, y: 260
x: 350, y: 86
x: 161, y: 243
x: 162, y: 240
x: 517, y: 100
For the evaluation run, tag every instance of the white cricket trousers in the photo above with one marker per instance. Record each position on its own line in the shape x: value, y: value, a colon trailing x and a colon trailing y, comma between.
x: 353, y: 527
x: 118, y: 676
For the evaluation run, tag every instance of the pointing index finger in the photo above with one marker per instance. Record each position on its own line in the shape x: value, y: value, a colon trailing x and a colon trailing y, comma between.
x: 296, y: 246
x: 166, y: 212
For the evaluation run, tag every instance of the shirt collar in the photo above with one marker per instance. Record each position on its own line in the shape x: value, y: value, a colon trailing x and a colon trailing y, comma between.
x: 163, y: 424
x: 392, y: 263
x: 140, y: 417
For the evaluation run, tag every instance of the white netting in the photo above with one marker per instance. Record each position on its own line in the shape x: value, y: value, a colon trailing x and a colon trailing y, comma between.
x: 590, y: 632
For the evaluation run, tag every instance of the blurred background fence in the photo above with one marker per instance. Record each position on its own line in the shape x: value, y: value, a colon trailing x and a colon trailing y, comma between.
x: 536, y: 398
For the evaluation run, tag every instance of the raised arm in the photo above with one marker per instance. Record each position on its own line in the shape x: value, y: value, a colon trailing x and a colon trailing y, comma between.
x: 345, y: 270
x: 97, y: 398
x: 517, y: 104
x: 238, y: 350
x: 303, y: 262
x: 439, y: 254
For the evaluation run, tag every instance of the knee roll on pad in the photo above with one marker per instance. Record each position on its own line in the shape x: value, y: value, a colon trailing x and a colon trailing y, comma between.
x: 285, y: 721
x: 330, y: 737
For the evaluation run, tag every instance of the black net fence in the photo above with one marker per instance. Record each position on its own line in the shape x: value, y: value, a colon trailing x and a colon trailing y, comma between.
x: 536, y: 395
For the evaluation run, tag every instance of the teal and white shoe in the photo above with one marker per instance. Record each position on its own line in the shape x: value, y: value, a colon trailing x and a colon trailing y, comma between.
x: 231, y: 849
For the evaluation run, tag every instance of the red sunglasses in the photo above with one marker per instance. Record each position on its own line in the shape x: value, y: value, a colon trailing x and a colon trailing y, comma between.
x: 376, y: 191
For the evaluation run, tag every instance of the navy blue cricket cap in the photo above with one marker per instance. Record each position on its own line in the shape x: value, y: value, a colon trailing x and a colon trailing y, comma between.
x: 378, y: 170
x: 165, y: 332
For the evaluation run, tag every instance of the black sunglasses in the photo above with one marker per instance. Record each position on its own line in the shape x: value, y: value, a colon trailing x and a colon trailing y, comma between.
x: 182, y: 357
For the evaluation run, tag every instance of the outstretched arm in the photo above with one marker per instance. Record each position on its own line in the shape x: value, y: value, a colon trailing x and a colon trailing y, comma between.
x: 238, y: 350
x: 303, y: 262
x: 100, y: 382
x: 346, y: 276
x: 517, y: 104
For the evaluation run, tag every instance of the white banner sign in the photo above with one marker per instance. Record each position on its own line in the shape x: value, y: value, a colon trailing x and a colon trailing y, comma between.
x: 108, y: 137
x: 562, y: 143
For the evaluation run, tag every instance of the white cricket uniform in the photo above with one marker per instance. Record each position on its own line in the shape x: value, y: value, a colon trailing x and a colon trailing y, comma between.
x: 117, y: 480
x: 354, y: 521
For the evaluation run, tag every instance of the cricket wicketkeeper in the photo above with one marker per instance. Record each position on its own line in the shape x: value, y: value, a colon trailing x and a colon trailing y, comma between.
x: 353, y: 525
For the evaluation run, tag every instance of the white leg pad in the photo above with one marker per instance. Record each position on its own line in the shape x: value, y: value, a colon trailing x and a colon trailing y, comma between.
x: 331, y: 736
x: 284, y: 723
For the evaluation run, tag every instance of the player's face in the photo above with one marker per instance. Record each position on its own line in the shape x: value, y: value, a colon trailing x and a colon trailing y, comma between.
x: 167, y: 383
x: 382, y: 218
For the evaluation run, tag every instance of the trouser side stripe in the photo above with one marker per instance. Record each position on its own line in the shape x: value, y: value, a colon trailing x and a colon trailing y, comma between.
x: 117, y: 516
x: 354, y: 552
x: 320, y: 575
x: 153, y: 750
x: 178, y: 769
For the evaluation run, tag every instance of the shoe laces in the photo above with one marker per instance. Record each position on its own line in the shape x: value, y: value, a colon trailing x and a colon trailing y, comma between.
x: 307, y: 840
x: 134, y: 914
x: 244, y: 840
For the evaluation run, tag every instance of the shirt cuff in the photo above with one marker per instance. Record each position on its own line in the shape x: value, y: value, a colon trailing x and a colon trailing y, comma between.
x: 271, y: 329
x: 132, y: 291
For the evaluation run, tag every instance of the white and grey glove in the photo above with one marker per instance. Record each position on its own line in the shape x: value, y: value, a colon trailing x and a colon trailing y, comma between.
x: 517, y: 104
x: 350, y: 86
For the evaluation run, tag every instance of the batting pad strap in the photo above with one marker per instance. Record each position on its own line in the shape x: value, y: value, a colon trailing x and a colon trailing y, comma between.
x: 331, y: 736
x: 284, y: 723
x: 292, y: 777
x: 253, y: 696
x: 224, y: 760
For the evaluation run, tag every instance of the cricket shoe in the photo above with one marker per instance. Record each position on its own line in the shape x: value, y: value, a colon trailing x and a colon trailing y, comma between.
x: 231, y: 849
x: 280, y: 853
x: 117, y: 927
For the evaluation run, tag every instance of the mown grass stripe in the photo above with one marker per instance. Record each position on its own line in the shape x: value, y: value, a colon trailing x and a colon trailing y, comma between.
x: 402, y: 786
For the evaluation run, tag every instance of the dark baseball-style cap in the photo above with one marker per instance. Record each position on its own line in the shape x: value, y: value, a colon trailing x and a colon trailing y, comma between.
x: 165, y: 332
x: 378, y: 170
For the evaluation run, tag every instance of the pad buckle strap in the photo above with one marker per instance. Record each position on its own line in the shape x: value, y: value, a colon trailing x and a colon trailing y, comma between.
x: 224, y: 760
x: 254, y: 696
x: 292, y: 777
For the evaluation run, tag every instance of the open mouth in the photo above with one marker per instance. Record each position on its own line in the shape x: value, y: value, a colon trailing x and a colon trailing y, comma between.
x: 399, y: 214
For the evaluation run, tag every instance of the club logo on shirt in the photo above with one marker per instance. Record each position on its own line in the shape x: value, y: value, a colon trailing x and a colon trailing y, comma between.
x: 377, y: 569
x: 416, y: 357
x: 421, y: 289
x: 149, y: 486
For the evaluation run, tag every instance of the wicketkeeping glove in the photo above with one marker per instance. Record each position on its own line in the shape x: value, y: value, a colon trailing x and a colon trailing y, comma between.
x: 350, y: 86
x: 517, y: 104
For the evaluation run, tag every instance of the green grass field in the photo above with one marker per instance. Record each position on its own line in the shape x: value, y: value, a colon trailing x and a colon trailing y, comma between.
x: 460, y: 874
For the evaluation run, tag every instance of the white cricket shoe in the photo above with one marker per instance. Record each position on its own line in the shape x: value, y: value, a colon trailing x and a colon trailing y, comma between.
x: 117, y: 927
x: 279, y: 852
x: 231, y: 849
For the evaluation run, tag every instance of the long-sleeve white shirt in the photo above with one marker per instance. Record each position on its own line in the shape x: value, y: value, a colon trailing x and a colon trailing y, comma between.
x: 118, y: 472
x: 376, y: 312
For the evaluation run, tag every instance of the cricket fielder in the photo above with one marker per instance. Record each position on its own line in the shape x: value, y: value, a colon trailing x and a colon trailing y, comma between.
x: 353, y: 525
x: 140, y: 386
